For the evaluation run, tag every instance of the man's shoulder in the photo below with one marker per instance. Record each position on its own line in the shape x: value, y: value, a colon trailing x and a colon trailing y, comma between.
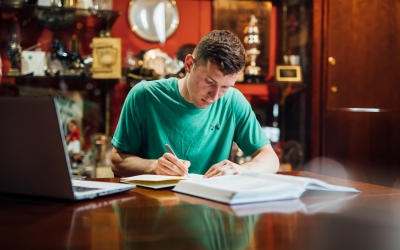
x: 157, y: 84
x: 234, y: 96
x: 156, y: 89
x: 236, y: 102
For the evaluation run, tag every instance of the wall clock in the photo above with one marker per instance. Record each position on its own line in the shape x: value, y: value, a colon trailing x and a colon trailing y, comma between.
x: 153, y: 20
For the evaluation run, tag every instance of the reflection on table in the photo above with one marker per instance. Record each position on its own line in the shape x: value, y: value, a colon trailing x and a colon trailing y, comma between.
x: 161, y: 219
x: 205, y: 227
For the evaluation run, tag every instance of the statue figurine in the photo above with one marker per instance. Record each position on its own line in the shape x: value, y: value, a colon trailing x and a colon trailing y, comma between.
x: 71, y: 60
x: 14, y: 54
x: 63, y: 63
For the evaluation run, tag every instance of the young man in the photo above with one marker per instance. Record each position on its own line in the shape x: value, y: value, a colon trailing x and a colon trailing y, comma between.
x: 199, y: 116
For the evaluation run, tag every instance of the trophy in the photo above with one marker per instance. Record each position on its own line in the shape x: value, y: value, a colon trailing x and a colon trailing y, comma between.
x: 251, y: 41
x: 14, y: 55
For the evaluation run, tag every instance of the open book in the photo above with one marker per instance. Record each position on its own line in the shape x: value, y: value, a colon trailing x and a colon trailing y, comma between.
x: 254, y: 187
x: 157, y: 181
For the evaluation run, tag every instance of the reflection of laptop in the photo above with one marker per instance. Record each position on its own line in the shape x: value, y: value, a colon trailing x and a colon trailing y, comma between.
x: 33, y: 155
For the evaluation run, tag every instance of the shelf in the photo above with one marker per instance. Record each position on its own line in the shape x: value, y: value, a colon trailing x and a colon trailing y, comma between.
x: 59, y: 17
x: 263, y: 91
x: 41, y: 78
x: 300, y: 84
x: 72, y: 83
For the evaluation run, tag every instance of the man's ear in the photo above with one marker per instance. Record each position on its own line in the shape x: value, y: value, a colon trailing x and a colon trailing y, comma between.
x: 188, y: 63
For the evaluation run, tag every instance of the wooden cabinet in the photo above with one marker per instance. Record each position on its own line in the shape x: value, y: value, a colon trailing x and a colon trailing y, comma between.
x: 356, y: 90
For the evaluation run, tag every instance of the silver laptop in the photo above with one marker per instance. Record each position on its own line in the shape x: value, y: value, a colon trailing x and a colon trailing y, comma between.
x: 33, y: 155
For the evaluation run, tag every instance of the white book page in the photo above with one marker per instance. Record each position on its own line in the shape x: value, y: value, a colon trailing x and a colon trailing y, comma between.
x: 235, y: 189
x: 253, y: 187
x: 240, y: 183
x: 306, y: 183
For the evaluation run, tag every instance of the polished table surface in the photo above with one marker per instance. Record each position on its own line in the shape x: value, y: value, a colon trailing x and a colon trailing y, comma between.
x: 161, y: 219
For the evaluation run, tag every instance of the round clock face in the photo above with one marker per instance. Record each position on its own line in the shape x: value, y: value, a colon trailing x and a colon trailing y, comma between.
x: 153, y: 20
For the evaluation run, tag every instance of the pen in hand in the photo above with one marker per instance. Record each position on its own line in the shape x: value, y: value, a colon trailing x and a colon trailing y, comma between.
x: 172, y: 152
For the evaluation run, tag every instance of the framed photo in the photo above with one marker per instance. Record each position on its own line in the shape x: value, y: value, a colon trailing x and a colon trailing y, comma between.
x: 288, y: 73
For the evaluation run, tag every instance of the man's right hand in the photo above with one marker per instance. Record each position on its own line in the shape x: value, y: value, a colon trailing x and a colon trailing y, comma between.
x: 169, y: 164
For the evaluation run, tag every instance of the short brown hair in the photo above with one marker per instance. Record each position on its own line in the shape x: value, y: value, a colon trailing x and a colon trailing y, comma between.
x: 222, y: 48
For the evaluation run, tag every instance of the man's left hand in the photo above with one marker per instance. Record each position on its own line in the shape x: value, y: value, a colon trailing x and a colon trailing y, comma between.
x: 224, y: 167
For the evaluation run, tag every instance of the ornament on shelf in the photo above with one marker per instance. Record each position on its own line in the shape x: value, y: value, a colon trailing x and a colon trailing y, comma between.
x: 252, y: 41
x: 14, y: 50
x: 106, y: 58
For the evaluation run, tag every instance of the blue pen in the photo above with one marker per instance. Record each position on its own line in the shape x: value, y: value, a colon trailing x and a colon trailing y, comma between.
x: 172, y: 152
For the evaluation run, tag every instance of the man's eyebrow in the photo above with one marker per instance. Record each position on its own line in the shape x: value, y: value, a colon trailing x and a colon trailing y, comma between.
x: 212, y: 79
x: 215, y: 82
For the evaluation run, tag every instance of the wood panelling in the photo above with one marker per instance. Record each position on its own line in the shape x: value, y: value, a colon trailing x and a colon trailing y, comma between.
x: 364, y: 39
x: 365, y: 143
x: 315, y: 93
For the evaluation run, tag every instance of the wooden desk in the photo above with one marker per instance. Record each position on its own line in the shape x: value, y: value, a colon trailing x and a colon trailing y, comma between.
x: 149, y: 219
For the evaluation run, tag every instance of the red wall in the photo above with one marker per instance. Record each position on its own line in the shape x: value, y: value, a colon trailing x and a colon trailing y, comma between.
x: 195, y: 22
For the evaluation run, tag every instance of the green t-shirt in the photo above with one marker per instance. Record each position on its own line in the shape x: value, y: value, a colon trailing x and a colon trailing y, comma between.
x: 155, y: 114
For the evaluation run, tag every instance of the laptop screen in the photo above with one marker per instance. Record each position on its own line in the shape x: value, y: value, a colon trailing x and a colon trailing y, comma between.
x: 33, y: 155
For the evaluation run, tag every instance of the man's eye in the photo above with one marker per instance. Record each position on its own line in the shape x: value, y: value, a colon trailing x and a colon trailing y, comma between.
x: 209, y: 81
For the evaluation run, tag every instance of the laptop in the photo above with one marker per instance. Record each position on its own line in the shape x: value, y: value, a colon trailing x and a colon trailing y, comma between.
x: 33, y: 153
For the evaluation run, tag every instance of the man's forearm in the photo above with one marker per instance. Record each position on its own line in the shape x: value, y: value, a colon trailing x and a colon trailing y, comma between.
x: 125, y: 164
x: 264, y: 160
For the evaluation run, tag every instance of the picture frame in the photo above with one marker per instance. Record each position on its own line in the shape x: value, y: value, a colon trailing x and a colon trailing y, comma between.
x: 106, y: 58
x: 288, y: 73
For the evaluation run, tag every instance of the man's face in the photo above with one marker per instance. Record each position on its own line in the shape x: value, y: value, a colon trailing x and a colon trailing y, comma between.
x: 206, y: 84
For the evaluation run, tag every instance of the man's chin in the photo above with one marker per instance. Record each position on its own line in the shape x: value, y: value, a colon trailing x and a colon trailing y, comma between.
x: 201, y: 105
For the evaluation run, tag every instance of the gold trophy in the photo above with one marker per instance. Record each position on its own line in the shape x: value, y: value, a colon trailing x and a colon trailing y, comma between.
x: 251, y: 41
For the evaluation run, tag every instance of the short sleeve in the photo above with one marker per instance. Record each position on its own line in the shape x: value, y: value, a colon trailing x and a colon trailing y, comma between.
x: 127, y: 136
x: 248, y: 133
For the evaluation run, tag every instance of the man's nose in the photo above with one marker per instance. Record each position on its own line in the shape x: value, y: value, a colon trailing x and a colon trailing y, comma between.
x: 214, y: 94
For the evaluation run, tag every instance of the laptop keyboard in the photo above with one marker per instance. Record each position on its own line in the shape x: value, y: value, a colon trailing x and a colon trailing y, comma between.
x: 83, y: 189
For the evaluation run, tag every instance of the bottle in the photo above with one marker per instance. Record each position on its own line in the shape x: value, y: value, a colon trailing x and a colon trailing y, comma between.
x: 69, y: 3
x: 74, y: 44
x: 275, y: 113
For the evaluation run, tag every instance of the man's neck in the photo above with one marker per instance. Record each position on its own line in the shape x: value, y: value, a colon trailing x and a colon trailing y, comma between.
x: 182, y: 87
